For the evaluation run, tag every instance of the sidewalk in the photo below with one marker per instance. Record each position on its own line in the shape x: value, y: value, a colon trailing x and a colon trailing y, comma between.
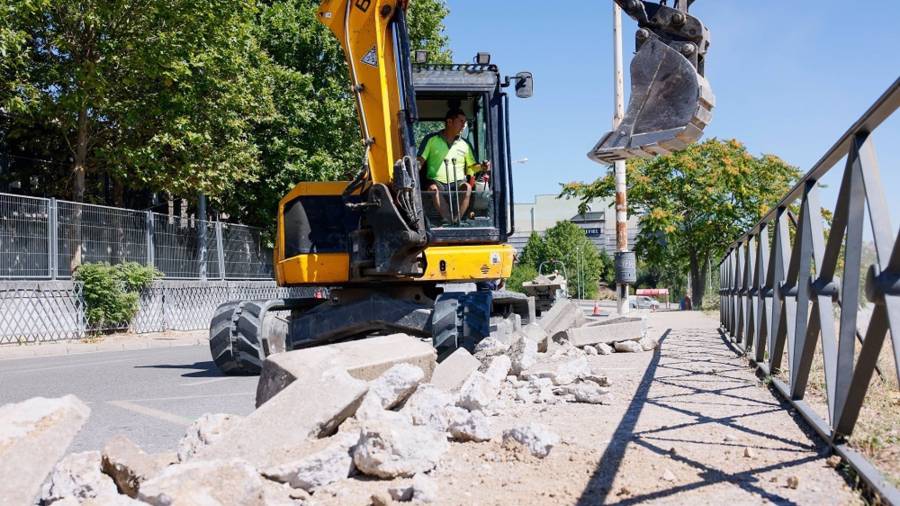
x: 112, y: 342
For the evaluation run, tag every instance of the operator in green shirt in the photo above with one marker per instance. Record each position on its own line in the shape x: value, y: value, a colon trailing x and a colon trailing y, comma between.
x: 448, y: 161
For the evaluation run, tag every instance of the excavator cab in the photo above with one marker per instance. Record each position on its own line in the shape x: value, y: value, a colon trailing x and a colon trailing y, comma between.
x: 461, y: 204
x: 671, y: 102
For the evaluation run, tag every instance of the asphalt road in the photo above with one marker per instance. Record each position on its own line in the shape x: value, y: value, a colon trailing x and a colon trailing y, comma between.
x: 150, y: 396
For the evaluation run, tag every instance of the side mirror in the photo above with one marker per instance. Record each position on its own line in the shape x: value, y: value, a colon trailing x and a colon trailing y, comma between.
x: 524, y: 85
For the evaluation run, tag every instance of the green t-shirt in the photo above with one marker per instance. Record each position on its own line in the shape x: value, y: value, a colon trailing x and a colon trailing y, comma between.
x: 460, y: 159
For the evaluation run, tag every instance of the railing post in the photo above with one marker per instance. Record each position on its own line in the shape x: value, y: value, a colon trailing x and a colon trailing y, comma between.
x: 52, y: 238
x: 151, y: 254
x: 202, y: 252
x: 221, y: 250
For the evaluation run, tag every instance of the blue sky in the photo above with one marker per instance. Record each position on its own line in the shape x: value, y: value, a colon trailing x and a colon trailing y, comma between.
x: 789, y: 76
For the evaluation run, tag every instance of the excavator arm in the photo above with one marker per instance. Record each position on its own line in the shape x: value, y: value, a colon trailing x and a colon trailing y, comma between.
x: 671, y: 102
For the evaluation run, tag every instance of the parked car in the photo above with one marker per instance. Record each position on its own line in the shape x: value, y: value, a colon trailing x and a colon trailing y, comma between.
x: 644, y: 302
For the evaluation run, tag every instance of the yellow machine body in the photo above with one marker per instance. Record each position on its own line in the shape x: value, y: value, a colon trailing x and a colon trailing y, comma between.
x: 458, y: 263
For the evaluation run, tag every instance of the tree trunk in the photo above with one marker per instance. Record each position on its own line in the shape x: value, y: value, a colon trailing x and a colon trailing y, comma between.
x: 78, y: 187
x: 699, y: 268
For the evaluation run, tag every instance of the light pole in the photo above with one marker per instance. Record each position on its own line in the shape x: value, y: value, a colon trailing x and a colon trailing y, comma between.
x: 621, y: 198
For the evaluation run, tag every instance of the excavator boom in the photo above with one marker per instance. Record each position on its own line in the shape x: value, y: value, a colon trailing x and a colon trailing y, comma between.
x: 671, y: 101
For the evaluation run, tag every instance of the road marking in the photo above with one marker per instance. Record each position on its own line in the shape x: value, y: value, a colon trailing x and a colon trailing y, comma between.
x: 66, y: 366
x: 214, y: 380
x: 188, y: 397
x: 155, y: 413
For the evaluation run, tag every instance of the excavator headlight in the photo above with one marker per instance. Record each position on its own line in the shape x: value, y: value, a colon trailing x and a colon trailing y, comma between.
x: 421, y: 56
x: 483, y: 58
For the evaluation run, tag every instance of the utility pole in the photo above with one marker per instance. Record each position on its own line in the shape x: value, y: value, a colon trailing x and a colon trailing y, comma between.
x: 621, y: 198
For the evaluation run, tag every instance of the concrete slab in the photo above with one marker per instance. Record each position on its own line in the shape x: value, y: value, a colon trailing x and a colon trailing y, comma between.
x: 561, y: 317
x: 610, y: 331
x: 34, y: 435
x: 450, y: 374
x: 365, y: 360
x: 312, y: 407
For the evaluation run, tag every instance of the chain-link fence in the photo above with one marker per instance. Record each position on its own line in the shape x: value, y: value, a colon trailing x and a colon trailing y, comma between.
x: 45, y: 311
x: 48, y: 238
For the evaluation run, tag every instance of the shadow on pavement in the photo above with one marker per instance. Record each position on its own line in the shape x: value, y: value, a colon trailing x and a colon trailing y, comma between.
x: 205, y: 369
x: 674, y: 368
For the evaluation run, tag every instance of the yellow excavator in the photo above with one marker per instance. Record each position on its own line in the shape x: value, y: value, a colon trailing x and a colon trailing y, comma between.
x: 399, y: 254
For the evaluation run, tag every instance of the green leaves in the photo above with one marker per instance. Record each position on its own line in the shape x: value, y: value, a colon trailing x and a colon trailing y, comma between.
x: 566, y: 242
x: 111, y: 292
x: 238, y: 100
x: 694, y: 203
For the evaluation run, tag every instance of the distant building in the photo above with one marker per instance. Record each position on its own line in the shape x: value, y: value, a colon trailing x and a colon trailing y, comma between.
x: 599, y: 222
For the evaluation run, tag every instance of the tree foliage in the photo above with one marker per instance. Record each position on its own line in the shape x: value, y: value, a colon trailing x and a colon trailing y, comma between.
x: 567, y: 243
x: 694, y: 203
x: 238, y: 100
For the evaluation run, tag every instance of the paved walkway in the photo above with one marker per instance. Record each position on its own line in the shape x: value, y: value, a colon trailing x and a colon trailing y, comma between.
x: 704, y: 430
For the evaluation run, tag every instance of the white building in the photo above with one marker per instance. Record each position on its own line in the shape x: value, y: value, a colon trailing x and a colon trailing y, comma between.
x: 599, y: 222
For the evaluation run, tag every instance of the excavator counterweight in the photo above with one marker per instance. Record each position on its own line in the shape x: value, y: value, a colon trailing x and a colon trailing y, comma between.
x: 671, y: 101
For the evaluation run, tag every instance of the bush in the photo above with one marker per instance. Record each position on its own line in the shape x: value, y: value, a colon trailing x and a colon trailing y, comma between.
x: 111, y: 292
x: 520, y: 274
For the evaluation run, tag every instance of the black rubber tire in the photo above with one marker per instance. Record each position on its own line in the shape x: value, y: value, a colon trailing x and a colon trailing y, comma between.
x: 233, y: 340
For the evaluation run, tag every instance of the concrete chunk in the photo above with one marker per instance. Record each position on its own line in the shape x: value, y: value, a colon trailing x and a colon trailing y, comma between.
x: 128, y: 465
x: 427, y: 406
x: 207, y: 483
x: 322, y: 468
x: 561, y: 317
x: 390, y: 449
x: 611, y: 331
x: 78, y: 476
x: 535, y: 438
x: 536, y: 333
x: 311, y: 408
x: 628, y: 347
x: 365, y: 360
x: 450, y: 374
x: 204, y: 431
x: 34, y: 434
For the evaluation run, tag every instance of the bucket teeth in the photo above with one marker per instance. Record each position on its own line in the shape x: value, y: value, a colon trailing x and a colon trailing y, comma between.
x: 669, y: 107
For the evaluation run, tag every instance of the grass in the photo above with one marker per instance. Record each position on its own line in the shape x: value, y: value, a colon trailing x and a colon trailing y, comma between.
x: 877, y: 432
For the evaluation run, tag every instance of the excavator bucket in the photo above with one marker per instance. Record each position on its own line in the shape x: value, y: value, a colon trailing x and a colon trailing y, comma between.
x: 670, y: 105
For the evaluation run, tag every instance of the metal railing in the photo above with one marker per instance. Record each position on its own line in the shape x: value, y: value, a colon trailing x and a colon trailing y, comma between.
x: 780, y: 291
x: 46, y: 238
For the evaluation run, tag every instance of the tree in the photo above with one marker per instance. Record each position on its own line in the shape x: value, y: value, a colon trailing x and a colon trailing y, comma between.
x: 566, y: 242
x: 693, y: 204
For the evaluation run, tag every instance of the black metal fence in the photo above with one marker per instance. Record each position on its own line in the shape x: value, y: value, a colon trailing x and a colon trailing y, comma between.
x: 46, y: 238
x: 791, y: 284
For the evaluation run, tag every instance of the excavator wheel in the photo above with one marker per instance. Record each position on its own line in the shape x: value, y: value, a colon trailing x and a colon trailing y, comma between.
x: 670, y: 105
x: 234, y: 337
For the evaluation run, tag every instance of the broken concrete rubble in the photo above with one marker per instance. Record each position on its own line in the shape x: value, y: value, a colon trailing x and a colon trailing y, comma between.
x: 204, y: 431
x: 468, y: 426
x: 536, y: 333
x: 364, y: 360
x: 311, y: 408
x: 648, y: 343
x: 523, y: 354
x: 230, y: 481
x: 561, y: 317
x: 327, y: 466
x: 128, y: 465
x: 422, y: 490
x: 607, y: 331
x: 478, y: 392
x: 450, y: 374
x: 395, y: 385
x: 560, y: 372
x: 498, y: 370
x: 535, y: 438
x: 427, y: 406
x: 389, y: 449
x: 34, y: 434
x: 604, y: 349
x: 590, y: 393
x: 628, y: 347
x: 77, y: 476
